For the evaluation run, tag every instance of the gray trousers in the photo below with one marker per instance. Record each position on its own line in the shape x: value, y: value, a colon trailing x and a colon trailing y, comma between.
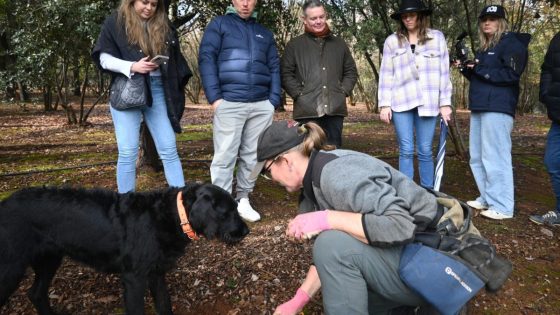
x: 237, y: 127
x: 357, y: 278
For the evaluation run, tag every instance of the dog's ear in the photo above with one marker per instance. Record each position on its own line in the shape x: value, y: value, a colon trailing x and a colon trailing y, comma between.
x: 202, y: 214
x: 189, y: 193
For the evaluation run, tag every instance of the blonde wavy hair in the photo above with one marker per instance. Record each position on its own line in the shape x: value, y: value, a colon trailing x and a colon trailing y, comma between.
x: 151, y: 36
x: 487, y: 43
x: 423, y: 26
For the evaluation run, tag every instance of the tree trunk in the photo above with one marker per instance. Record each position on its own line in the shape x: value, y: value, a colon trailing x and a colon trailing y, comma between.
x: 95, y: 103
x: 47, y: 98
x: 82, y: 121
x: 76, y: 84
x: 10, y: 91
x: 371, y: 105
x: 148, y: 156
x: 58, y: 89
x: 21, y: 89
x: 457, y: 139
x: 65, y: 82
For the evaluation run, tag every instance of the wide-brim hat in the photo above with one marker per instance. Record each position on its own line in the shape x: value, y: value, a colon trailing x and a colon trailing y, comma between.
x: 493, y: 10
x: 410, y: 6
x: 276, y: 139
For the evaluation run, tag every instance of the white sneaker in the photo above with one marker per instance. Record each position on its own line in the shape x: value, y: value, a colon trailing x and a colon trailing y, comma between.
x: 246, y: 211
x: 493, y: 214
x: 477, y: 205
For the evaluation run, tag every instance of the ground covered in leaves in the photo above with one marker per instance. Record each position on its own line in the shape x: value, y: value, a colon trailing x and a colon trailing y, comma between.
x: 38, y: 148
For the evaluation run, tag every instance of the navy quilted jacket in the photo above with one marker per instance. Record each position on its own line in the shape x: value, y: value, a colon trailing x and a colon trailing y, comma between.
x: 238, y: 61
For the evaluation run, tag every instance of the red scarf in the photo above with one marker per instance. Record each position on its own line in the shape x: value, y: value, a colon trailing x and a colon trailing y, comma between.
x: 322, y: 34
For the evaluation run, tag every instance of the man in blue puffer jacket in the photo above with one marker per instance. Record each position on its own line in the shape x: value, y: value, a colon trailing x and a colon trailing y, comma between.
x: 240, y: 71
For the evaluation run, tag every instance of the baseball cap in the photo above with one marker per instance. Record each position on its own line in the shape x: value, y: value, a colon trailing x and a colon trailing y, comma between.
x: 277, y: 138
x: 494, y: 10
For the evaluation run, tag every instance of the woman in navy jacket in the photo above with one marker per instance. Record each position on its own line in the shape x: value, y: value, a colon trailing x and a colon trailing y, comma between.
x: 493, y: 94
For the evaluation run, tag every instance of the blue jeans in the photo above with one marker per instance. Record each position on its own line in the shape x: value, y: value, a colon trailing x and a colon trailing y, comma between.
x: 406, y: 124
x: 552, y: 160
x: 490, y: 150
x: 127, y: 132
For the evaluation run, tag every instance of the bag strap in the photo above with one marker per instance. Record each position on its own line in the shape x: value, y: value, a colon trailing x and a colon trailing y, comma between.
x: 471, y: 242
x: 447, y: 227
x: 317, y: 162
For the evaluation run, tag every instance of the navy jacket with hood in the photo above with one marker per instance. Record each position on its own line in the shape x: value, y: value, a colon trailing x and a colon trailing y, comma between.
x: 238, y: 61
x: 494, y: 81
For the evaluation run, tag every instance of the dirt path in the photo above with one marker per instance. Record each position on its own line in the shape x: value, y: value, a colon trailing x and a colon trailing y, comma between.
x: 266, y: 269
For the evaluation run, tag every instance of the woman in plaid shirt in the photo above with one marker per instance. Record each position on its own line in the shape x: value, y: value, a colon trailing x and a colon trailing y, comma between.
x: 414, y: 86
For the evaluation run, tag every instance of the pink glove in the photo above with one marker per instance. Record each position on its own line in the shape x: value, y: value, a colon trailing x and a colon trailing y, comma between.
x: 308, y: 225
x: 294, y: 305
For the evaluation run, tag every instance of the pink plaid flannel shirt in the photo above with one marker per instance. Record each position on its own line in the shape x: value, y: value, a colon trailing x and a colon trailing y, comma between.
x: 420, y: 80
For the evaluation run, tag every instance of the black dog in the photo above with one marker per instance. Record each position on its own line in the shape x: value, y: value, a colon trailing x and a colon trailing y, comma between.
x: 138, y: 235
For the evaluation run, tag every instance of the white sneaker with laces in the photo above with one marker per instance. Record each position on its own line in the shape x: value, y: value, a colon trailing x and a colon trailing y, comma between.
x: 246, y: 211
x: 493, y: 214
x: 477, y: 205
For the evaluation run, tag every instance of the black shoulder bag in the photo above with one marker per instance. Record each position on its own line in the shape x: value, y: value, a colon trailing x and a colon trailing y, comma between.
x: 128, y: 93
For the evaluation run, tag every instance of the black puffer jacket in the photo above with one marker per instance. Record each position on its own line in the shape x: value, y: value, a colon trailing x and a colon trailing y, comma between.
x: 550, y: 80
x: 175, y: 73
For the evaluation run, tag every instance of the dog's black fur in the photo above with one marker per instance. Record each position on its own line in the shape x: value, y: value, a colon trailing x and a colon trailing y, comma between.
x: 137, y: 235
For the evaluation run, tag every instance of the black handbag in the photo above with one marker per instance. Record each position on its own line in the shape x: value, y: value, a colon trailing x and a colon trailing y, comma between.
x: 128, y: 93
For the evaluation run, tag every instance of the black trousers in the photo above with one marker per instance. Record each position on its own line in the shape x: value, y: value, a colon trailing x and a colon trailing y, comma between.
x: 332, y: 125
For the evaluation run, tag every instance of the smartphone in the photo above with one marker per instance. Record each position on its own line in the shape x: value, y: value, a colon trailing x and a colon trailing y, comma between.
x: 159, y: 59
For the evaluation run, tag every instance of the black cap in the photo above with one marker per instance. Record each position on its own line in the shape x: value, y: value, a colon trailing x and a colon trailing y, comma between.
x: 409, y: 6
x: 493, y: 10
x: 277, y: 138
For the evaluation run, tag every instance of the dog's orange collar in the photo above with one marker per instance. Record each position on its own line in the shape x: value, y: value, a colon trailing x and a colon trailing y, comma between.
x: 183, y: 216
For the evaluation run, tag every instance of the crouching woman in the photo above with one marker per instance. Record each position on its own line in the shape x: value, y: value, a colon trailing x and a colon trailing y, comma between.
x: 363, y: 210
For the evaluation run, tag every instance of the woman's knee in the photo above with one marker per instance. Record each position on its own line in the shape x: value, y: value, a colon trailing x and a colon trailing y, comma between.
x: 406, y: 147
x: 168, y: 152
x: 425, y: 151
x: 128, y: 153
x: 406, y: 150
x: 330, y: 246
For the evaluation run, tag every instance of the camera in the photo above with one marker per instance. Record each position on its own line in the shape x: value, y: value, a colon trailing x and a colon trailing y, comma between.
x: 462, y: 52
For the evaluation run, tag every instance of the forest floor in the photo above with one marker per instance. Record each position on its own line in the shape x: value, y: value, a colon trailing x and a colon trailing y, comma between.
x: 39, y: 148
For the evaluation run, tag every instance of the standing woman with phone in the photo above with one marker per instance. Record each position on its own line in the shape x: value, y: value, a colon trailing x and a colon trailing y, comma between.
x: 493, y: 94
x: 414, y: 86
x: 130, y: 37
